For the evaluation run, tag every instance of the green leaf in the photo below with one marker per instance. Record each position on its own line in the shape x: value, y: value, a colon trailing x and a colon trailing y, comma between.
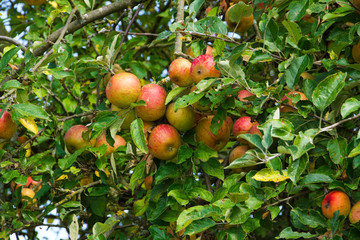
x: 138, y: 136
x: 187, y: 100
x: 201, y: 193
x: 101, y: 228
x: 294, y: 31
x: 350, y: 105
x: 168, y: 170
x: 140, y: 206
x: 235, y: 71
x: 274, y: 211
x: 280, y: 128
x: 184, y: 153
x: 297, y: 10
x: 11, y: 85
x: 209, y: 25
x: 310, y: 217
x: 157, y: 233
x: 355, y: 151
x: 195, y: 7
x: 137, y: 174
x: 297, y: 167
x: 65, y: 163
x: 162, y: 36
x: 74, y: 228
x: 337, y: 149
x: 303, y: 143
x: 247, y: 160
x: 328, y: 89
x: 316, y: 178
x: 293, y: 72
x: 173, y: 93
x: 30, y: 110
x: 288, y: 233
x: 71, y: 204
x: 253, y: 139
x: 219, y: 194
x: 213, y: 168
x: 238, y: 11
x: 204, y: 153
x: 5, y: 59
x: 238, y: 197
x: 180, y: 196
x: 199, y: 226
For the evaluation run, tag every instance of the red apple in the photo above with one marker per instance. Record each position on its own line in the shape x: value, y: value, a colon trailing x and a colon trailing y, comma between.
x: 164, y: 142
x: 204, y: 134
x: 74, y: 138
x: 183, y: 119
x: 154, y: 96
x: 236, y: 153
x: 333, y: 201
x: 354, y: 215
x: 285, y: 109
x: 190, y: 52
x: 242, y: 126
x: 243, y: 94
x: 101, y: 140
x: 123, y: 89
x: 179, y: 72
x: 8, y: 127
x: 202, y: 67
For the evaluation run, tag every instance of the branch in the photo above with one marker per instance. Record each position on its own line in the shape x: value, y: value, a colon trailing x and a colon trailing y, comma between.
x: 13, y: 41
x: 328, y: 128
x: 77, y: 115
x: 179, y: 18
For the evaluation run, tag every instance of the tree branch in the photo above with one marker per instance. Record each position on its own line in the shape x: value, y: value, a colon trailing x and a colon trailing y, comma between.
x: 13, y: 41
x: 179, y: 18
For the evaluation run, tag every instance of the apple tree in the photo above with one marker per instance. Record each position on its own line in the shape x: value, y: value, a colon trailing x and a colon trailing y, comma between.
x: 160, y: 119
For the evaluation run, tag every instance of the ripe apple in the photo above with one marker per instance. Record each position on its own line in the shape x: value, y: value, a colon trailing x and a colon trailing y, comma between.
x: 229, y: 122
x: 154, y: 96
x: 148, y: 182
x: 243, y: 94
x: 8, y: 127
x: 179, y: 72
x: 356, y: 52
x: 74, y: 138
x: 333, y: 201
x: 183, y: 119
x: 242, y: 126
x: 244, y: 24
x: 354, y: 215
x: 202, y: 67
x: 285, y: 109
x: 127, y: 114
x: 119, y: 141
x: 123, y: 89
x: 28, y: 193
x: 236, y: 153
x: 164, y: 142
x: 35, y: 2
x: 207, y: 52
x: 204, y: 134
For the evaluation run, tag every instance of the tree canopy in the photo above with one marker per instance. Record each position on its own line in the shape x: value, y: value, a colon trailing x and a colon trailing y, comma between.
x: 250, y: 148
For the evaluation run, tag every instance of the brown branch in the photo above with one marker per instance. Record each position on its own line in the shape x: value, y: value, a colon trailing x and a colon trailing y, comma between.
x: 123, y: 39
x: 77, y: 115
x: 70, y: 92
x: 353, y: 5
x: 13, y: 41
x: 28, y: 141
x: 179, y: 18
x: 207, y: 181
x: 328, y: 128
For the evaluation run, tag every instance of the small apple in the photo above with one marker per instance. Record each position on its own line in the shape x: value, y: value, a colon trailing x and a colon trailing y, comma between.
x: 164, y: 142
x: 354, y: 215
x: 8, y: 127
x: 183, y: 119
x: 190, y: 52
x: 285, y: 109
x: 244, y: 24
x: 148, y: 182
x: 202, y: 67
x: 154, y: 96
x: 28, y: 193
x: 333, y: 201
x: 179, y: 72
x: 127, y: 114
x: 204, y: 134
x: 123, y: 89
x: 74, y: 138
x: 236, y: 153
x: 119, y: 141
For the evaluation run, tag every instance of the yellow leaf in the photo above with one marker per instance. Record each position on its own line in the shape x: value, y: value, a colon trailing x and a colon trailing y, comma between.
x: 29, y: 124
x: 28, y: 150
x: 62, y: 177
x: 269, y: 175
x: 120, y: 213
x: 53, y: 4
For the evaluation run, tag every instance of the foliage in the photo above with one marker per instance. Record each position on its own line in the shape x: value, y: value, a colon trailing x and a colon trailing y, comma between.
x: 56, y: 80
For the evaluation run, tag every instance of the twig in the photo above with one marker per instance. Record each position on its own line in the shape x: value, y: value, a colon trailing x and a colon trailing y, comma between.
x: 353, y: 5
x: 70, y: 92
x: 179, y: 18
x: 257, y: 30
x: 13, y: 41
x: 328, y: 128
x: 126, y: 33
x: 77, y: 115
x: 8, y: 94
x: 77, y: 13
x: 28, y: 141
x: 207, y: 181
x: 184, y: 55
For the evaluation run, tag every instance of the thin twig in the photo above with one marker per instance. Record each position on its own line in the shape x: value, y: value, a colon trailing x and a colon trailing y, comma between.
x: 13, y: 41
x: 70, y: 92
x: 77, y: 115
x: 328, y: 128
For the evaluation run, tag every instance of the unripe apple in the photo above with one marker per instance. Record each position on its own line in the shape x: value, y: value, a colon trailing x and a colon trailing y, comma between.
x: 236, y: 153
x: 179, y: 72
x: 8, y: 127
x: 101, y: 140
x: 28, y: 192
x: 204, y: 134
x: 354, y: 215
x: 202, y: 67
x: 123, y: 89
x: 285, y: 109
x: 164, y: 142
x: 127, y: 114
x: 154, y: 96
x: 183, y: 119
x: 244, y: 24
x: 208, y: 51
x: 333, y: 201
x: 148, y: 182
x: 74, y: 138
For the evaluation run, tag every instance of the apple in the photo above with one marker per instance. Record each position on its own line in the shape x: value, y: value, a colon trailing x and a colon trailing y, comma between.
x: 202, y: 67
x: 355, y: 51
x: 164, y: 142
x: 285, y: 109
x: 127, y: 114
x: 179, y: 72
x: 101, y: 140
x: 244, y: 24
x: 243, y: 94
x: 333, y: 201
x: 35, y: 2
x: 207, y: 52
x: 183, y: 119
x: 204, y: 134
x: 154, y: 96
x: 354, y: 215
x: 229, y: 122
x: 242, y: 126
x: 28, y: 193
x: 148, y: 182
x: 8, y: 127
x: 123, y: 89
x: 74, y: 138
x: 236, y: 153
